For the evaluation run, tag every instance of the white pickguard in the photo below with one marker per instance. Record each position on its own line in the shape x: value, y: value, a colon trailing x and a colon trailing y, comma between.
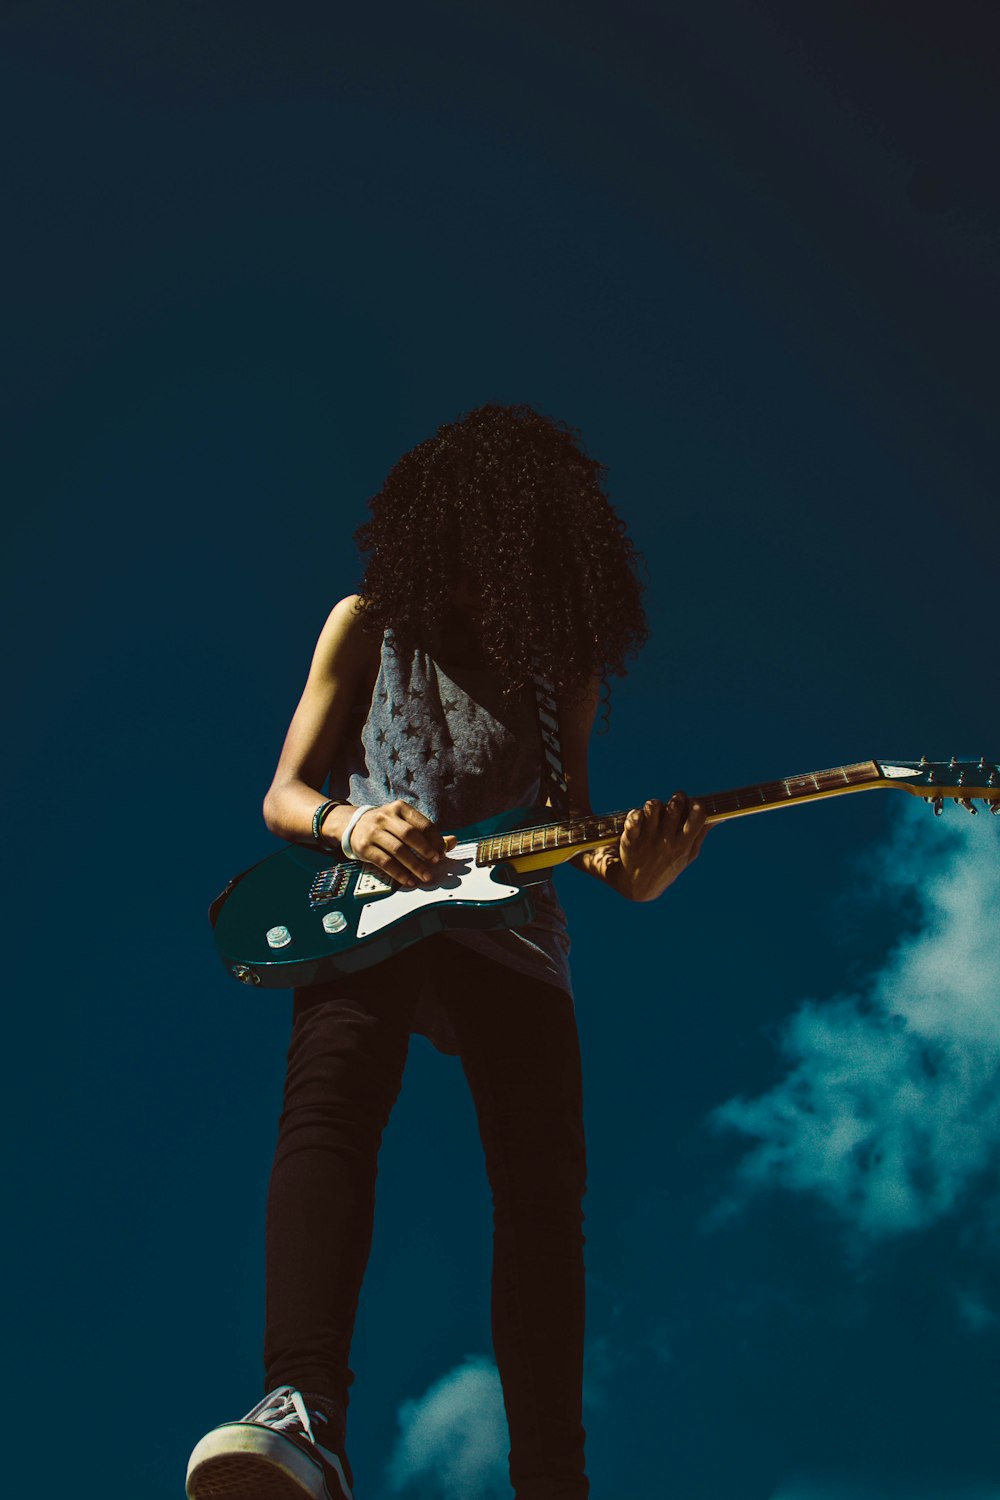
x: 458, y: 878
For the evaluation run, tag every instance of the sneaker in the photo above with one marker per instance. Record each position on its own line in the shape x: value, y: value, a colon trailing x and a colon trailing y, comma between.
x: 272, y: 1454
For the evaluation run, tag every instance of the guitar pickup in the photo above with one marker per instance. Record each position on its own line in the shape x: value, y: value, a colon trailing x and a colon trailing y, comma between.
x: 329, y: 885
x: 371, y: 883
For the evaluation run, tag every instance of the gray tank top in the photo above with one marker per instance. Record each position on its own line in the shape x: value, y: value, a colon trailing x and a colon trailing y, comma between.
x: 445, y: 741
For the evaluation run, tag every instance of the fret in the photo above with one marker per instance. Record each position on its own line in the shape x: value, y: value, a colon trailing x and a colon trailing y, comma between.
x: 590, y: 830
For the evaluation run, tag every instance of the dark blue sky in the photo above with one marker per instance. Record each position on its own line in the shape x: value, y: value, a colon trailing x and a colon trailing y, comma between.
x: 252, y: 255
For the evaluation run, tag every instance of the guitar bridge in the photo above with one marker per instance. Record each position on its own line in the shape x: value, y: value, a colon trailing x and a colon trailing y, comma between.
x: 329, y: 885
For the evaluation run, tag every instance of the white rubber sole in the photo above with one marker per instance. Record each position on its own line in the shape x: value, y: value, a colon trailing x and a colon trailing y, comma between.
x: 245, y: 1461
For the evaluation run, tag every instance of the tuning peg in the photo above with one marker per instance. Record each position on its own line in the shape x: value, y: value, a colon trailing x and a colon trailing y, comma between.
x: 995, y: 808
x: 967, y: 804
x: 952, y: 763
x: 923, y: 760
x: 938, y: 805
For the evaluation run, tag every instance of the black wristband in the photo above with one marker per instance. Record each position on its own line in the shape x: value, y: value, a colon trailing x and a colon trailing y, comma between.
x: 318, y: 817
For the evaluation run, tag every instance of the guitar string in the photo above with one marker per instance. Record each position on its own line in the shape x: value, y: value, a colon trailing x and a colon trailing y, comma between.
x: 801, y: 787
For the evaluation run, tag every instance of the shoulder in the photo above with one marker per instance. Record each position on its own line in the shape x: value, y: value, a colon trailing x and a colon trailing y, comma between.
x: 346, y: 643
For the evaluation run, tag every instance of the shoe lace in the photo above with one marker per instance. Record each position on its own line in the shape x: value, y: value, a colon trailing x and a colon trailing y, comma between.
x: 284, y: 1410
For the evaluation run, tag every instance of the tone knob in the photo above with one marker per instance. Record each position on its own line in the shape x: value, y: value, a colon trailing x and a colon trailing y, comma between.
x: 278, y: 937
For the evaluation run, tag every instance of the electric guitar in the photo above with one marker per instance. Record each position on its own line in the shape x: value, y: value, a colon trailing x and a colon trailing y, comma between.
x: 299, y: 916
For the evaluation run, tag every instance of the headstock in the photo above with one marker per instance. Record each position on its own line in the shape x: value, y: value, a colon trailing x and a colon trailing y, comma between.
x: 934, y: 780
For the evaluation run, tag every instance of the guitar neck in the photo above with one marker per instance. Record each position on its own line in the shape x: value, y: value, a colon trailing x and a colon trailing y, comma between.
x: 863, y: 776
x: 552, y: 843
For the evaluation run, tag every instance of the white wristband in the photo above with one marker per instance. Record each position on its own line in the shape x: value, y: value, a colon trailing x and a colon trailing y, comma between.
x: 345, y: 837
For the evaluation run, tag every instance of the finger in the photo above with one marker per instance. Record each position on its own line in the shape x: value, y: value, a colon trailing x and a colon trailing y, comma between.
x: 399, y: 849
x: 425, y: 837
x: 675, y: 812
x: 652, y: 814
x: 409, y: 814
x: 377, y: 846
x: 384, y: 861
x: 695, y: 820
x: 633, y: 824
x: 427, y: 847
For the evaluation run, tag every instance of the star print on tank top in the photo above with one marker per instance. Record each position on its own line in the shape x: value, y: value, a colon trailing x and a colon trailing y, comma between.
x: 440, y: 737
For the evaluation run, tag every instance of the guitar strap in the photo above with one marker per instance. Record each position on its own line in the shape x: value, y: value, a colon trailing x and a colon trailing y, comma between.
x: 553, y: 776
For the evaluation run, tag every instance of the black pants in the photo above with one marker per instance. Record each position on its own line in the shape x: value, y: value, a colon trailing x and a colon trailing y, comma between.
x: 519, y: 1048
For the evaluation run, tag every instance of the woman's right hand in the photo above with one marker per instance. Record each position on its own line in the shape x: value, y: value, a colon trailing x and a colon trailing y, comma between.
x: 400, y: 841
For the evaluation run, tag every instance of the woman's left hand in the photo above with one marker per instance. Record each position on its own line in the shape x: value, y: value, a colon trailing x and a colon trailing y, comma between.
x: 659, y: 841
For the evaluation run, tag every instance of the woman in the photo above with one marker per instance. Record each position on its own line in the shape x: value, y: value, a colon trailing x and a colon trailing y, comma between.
x: 495, y: 558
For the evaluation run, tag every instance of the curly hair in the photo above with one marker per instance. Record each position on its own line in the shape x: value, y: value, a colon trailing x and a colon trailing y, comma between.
x: 510, y: 499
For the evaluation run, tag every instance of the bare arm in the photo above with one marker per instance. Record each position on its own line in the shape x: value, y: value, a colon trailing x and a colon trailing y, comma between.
x: 344, y: 663
x: 396, y: 837
x: 659, y: 841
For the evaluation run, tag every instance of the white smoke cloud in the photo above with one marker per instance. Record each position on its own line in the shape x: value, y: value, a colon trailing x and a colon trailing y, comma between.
x: 453, y: 1440
x: 889, y: 1109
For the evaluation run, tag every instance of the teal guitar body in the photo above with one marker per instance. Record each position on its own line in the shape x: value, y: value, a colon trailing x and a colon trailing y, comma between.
x: 301, y: 916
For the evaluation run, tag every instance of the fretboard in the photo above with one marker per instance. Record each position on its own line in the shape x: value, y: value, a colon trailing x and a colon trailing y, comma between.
x: 590, y: 831
x: 580, y: 833
x: 766, y: 794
